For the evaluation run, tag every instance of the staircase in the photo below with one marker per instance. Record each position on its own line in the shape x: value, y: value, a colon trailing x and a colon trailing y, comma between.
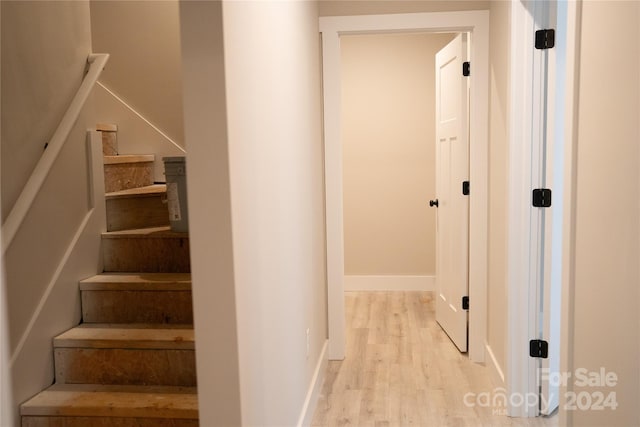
x: 131, y: 362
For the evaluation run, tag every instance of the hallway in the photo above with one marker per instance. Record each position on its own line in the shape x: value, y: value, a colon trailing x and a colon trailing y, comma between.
x: 401, y: 369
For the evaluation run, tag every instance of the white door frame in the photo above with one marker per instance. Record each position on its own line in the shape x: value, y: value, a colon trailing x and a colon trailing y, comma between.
x: 475, y: 22
x: 522, y: 292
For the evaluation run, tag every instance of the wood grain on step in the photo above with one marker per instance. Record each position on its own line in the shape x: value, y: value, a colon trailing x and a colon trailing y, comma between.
x: 146, y: 250
x: 123, y: 176
x: 109, y: 143
x: 137, y: 306
x: 106, y: 422
x: 125, y: 366
x: 133, y: 212
x: 101, y: 337
x: 113, y: 401
x: 129, y: 158
x: 149, y: 190
x: 106, y: 127
x: 137, y: 282
x: 136, y: 325
x: 144, y: 233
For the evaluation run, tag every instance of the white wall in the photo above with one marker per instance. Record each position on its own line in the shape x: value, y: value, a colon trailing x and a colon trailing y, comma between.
x: 212, y: 266
x: 605, y: 329
x: 388, y: 139
x: 255, y: 172
x: 498, y: 185
x: 276, y: 167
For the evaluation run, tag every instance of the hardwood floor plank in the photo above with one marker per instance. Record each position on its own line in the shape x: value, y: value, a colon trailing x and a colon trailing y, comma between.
x: 401, y: 369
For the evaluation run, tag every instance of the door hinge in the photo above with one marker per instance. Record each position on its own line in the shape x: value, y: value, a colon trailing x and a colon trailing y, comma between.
x: 466, y: 68
x: 545, y: 39
x: 465, y: 188
x: 541, y: 198
x: 465, y: 303
x: 539, y: 348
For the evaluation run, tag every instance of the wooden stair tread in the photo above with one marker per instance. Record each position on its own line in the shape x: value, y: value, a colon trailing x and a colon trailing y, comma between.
x: 148, y: 191
x: 137, y: 325
x: 138, y: 282
x: 145, y: 233
x: 114, y: 401
x: 106, y: 127
x: 129, y: 158
x: 92, y: 336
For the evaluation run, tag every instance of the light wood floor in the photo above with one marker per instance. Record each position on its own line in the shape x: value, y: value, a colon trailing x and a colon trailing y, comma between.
x: 401, y: 369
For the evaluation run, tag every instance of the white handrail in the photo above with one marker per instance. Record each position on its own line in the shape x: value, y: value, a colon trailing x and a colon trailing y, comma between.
x: 32, y: 187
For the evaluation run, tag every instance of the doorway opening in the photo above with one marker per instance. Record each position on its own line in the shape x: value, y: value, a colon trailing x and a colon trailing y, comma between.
x: 405, y: 140
x: 332, y: 28
x: 388, y: 143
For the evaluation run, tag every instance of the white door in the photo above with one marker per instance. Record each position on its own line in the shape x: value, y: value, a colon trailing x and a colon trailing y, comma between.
x: 452, y: 169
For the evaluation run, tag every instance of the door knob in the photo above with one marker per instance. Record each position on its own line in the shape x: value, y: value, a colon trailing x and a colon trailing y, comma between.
x: 433, y: 203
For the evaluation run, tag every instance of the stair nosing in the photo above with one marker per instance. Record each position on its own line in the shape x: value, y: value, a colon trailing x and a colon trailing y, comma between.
x: 188, y: 326
x: 128, y: 158
x: 139, y: 278
x: 153, y: 282
x: 153, y: 190
x: 90, y: 336
x: 106, y: 127
x: 135, y: 287
x: 113, y: 401
x: 146, y: 233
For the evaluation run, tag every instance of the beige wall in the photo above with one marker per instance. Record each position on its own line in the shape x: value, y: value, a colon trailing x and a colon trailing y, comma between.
x: 44, y: 50
x: 143, y: 39
x: 371, y: 7
x: 6, y: 415
x: 498, y: 185
x: 266, y: 286
x: 388, y: 137
x: 605, y: 321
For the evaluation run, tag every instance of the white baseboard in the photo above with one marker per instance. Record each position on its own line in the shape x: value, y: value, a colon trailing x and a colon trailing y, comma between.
x: 309, y: 407
x: 389, y: 283
x: 495, y: 372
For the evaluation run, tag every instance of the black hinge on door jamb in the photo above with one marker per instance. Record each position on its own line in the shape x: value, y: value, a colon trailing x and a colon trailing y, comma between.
x: 545, y: 39
x: 466, y: 69
x: 465, y: 188
x: 541, y: 198
x: 465, y: 303
x: 539, y: 348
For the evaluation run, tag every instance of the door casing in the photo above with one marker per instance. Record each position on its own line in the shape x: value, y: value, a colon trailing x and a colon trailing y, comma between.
x: 523, y: 303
